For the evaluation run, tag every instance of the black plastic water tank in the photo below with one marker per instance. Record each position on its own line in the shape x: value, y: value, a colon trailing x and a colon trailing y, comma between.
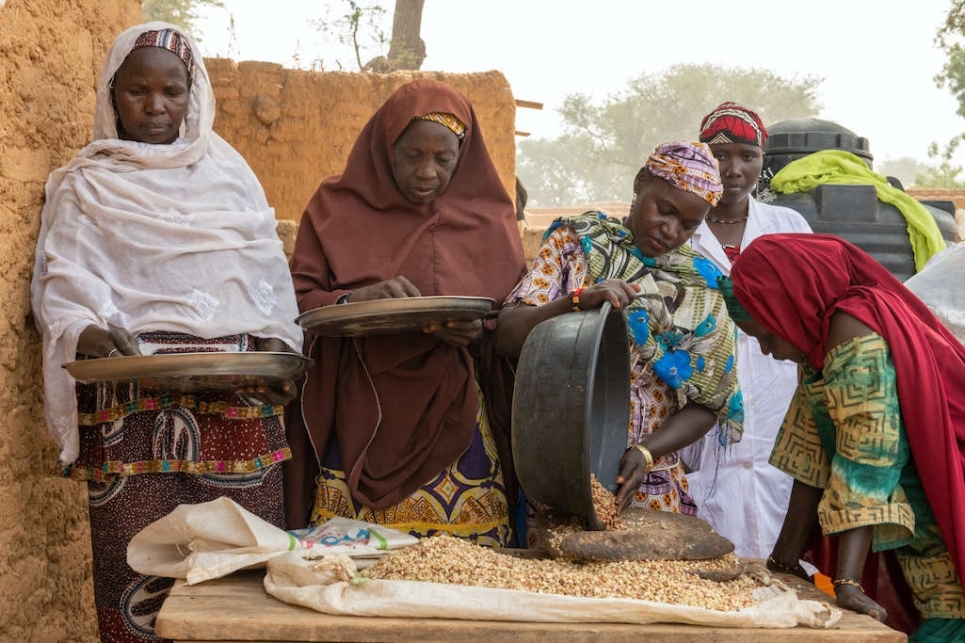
x: 849, y: 211
x: 796, y: 137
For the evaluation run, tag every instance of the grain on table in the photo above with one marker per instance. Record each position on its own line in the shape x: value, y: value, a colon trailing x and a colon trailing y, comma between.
x: 444, y: 559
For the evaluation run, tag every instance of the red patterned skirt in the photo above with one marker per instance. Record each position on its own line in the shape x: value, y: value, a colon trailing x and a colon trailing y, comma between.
x: 143, y: 454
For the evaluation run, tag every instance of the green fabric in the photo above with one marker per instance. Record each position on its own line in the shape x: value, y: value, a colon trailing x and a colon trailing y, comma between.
x: 873, y: 480
x: 854, y: 403
x: 939, y: 630
x: 844, y: 168
x: 678, y: 322
x: 735, y: 309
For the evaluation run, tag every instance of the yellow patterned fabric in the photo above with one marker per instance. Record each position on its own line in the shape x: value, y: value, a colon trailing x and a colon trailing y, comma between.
x: 458, y: 501
x: 844, y: 433
x: 450, y: 121
x: 927, y: 566
x: 797, y: 449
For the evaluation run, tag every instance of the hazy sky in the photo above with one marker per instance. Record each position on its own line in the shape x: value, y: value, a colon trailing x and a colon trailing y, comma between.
x: 877, y: 57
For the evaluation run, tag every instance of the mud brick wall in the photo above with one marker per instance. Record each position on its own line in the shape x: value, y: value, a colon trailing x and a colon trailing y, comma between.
x: 295, y: 128
x: 52, y: 52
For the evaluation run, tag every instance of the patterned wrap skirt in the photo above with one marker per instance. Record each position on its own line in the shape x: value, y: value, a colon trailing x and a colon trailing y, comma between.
x: 143, y: 453
x: 466, y: 500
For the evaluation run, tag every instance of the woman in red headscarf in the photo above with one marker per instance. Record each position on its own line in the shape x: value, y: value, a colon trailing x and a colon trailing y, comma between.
x: 409, y: 430
x: 737, y: 491
x: 875, y: 436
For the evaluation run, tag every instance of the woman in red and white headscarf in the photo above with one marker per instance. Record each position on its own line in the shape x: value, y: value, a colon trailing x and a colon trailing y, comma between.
x: 158, y: 238
x: 737, y: 491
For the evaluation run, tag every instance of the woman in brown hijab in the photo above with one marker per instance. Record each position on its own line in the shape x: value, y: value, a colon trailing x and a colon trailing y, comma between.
x: 408, y: 430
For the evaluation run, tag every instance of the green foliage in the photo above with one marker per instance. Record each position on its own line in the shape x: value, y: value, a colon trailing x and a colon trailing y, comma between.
x: 178, y: 12
x: 604, y: 145
x: 358, y: 30
x: 945, y: 174
x: 559, y: 171
x: 951, y: 39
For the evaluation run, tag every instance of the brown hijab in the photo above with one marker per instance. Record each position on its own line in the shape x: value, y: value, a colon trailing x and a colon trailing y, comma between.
x: 401, y: 407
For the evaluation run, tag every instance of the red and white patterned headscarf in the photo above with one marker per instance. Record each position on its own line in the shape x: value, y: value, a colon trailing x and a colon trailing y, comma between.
x: 167, y: 39
x: 732, y: 123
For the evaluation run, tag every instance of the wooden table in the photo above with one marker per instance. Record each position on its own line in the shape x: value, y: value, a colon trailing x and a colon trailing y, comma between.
x: 237, y: 608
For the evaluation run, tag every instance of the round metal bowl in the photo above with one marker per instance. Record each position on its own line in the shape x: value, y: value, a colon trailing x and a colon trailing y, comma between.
x: 392, y: 316
x: 571, y: 409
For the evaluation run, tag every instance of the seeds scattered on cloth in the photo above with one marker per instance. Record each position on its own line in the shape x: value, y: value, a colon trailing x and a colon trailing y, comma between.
x: 444, y: 559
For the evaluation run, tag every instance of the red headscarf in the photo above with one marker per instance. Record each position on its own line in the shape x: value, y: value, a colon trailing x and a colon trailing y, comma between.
x: 792, y: 284
x: 409, y: 410
x: 732, y: 123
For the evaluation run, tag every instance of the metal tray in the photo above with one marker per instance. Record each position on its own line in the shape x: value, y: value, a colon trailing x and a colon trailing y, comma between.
x: 188, y: 372
x: 392, y: 316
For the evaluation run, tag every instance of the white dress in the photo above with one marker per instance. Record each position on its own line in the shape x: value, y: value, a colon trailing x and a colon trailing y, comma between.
x: 742, y: 496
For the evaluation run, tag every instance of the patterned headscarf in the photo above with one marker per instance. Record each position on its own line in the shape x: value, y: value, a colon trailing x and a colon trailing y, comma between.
x: 688, y: 166
x: 450, y: 121
x: 167, y: 39
x: 732, y: 123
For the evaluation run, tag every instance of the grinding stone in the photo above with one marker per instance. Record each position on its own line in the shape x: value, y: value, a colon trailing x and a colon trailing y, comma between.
x: 642, y: 535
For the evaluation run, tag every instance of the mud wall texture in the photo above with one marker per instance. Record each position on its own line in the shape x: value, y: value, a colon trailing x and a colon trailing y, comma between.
x: 295, y: 128
x: 52, y: 52
x: 955, y: 195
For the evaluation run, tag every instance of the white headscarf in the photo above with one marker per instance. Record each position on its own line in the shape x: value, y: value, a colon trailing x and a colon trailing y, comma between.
x: 149, y: 237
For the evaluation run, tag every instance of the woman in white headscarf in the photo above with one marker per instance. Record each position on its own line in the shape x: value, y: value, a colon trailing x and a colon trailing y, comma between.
x: 158, y: 238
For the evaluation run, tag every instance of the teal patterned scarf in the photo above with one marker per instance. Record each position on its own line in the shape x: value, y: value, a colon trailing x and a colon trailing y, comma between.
x: 678, y: 322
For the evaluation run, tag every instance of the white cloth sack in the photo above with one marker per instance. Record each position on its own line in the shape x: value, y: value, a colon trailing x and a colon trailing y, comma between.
x: 212, y: 539
x: 294, y: 580
x: 939, y: 285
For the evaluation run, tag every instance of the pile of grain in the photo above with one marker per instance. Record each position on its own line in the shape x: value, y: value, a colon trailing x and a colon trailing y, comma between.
x: 443, y: 559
